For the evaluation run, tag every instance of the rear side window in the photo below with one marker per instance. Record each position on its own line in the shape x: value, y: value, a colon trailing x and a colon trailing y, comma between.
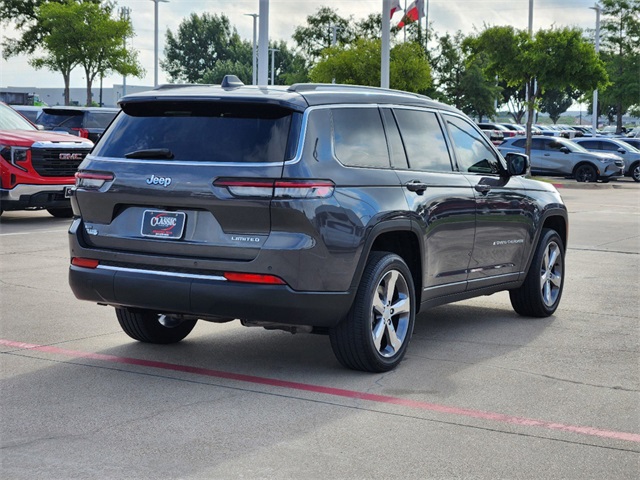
x: 423, y: 140
x: 590, y: 144
x: 202, y: 132
x: 358, y: 137
x: 519, y: 143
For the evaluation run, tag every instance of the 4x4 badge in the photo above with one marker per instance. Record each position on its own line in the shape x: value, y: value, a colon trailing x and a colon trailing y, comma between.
x: 164, y: 181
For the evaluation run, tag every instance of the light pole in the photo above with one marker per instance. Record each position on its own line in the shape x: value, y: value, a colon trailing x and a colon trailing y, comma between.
x: 125, y: 13
x: 254, y: 72
x: 384, y: 60
x: 594, y: 116
x: 263, y: 44
x: 155, y: 42
x: 273, y: 56
x: 334, y: 40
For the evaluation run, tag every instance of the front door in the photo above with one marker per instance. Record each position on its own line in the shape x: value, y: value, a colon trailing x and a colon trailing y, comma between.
x: 501, y: 228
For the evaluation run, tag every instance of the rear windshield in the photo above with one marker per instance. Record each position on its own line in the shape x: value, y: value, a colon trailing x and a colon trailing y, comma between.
x: 98, y: 119
x: 202, y: 132
x: 66, y: 120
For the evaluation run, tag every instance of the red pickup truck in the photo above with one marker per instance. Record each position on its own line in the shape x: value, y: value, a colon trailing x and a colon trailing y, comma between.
x: 37, y: 167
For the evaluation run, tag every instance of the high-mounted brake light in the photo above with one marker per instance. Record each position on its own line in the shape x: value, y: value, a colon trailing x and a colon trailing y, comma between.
x: 253, y: 278
x: 84, y: 262
x: 277, y: 188
x: 92, y: 180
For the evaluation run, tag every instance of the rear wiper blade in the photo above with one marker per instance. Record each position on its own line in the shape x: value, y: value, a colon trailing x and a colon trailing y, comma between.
x: 151, y: 153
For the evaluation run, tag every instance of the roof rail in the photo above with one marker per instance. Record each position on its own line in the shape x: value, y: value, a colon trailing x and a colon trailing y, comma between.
x: 306, y: 87
x: 170, y: 86
x: 336, y: 87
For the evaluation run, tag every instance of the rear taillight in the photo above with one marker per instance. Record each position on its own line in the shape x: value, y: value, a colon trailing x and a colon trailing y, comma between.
x: 303, y: 189
x: 253, y: 278
x: 81, y: 132
x: 84, y: 262
x: 92, y: 180
x: 277, y: 188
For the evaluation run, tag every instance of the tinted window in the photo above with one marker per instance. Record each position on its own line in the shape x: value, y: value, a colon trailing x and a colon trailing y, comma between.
x: 53, y: 119
x: 472, y: 151
x: 608, y: 146
x: 396, y: 149
x: 423, y: 140
x: 537, y: 143
x: 359, y: 137
x: 591, y: 145
x: 520, y: 143
x: 98, y: 120
x: 201, y: 131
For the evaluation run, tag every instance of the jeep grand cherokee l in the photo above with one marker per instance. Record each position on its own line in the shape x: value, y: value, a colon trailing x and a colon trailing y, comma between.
x: 335, y: 209
x: 36, y: 168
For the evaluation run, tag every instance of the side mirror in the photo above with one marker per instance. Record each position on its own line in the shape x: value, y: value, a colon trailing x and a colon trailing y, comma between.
x: 565, y: 150
x: 517, y: 163
x: 622, y: 150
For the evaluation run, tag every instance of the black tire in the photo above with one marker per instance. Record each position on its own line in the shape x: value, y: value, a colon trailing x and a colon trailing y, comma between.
x: 374, y: 314
x: 634, y: 172
x: 64, y: 212
x: 539, y: 295
x: 145, y: 326
x: 586, y: 173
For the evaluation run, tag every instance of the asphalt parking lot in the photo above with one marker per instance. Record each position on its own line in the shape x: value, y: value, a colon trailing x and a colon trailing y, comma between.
x: 482, y: 392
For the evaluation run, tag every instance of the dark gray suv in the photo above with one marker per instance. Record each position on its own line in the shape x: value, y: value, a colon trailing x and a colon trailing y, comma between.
x: 335, y: 209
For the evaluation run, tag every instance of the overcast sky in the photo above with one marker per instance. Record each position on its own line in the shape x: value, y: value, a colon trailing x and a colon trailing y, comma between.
x: 285, y: 15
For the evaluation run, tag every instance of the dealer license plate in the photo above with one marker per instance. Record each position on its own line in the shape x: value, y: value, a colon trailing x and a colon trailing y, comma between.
x: 162, y: 224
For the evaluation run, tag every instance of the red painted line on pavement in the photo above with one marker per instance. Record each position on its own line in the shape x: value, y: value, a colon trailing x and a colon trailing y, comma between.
x: 336, y: 392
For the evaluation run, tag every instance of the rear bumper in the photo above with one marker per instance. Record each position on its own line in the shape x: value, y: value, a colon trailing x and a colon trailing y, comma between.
x: 203, y: 295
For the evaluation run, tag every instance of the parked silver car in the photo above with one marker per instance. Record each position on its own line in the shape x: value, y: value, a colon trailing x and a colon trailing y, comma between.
x: 558, y: 156
x: 620, y: 147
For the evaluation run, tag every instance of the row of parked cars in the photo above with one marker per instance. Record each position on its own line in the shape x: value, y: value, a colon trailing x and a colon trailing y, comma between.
x: 41, y: 149
x: 571, y: 151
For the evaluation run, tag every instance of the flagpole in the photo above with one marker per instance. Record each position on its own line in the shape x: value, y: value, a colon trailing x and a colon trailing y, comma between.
x: 404, y: 29
x: 386, y: 28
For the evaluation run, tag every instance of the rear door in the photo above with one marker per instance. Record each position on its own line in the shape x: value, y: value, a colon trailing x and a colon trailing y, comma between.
x: 187, y: 178
x: 440, y: 200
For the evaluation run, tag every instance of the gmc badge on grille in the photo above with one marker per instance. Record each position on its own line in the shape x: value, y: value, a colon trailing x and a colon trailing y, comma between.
x: 70, y: 156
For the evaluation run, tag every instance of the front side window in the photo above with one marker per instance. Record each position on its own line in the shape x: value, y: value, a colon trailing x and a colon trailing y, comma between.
x: 199, y: 131
x: 473, y: 153
x: 358, y: 137
x: 423, y: 140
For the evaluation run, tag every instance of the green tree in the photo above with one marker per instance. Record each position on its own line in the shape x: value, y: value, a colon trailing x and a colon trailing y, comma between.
x: 200, y: 42
x: 99, y: 46
x: 448, y: 69
x: 479, y: 92
x: 58, y: 19
x: 552, y: 59
x: 556, y: 102
x: 72, y: 33
x: 620, y: 50
x: 360, y: 65
x: 317, y: 34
